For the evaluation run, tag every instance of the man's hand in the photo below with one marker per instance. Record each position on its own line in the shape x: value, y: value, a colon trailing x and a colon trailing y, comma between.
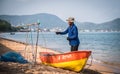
x: 68, y: 38
x: 58, y: 33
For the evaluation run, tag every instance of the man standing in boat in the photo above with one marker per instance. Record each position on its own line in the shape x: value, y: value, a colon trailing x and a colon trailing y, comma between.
x: 72, y: 34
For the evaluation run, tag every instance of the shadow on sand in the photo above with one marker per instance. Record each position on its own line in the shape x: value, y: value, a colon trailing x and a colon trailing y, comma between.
x: 11, y: 68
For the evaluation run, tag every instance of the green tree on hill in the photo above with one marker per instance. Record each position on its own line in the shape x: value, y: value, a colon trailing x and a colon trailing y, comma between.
x: 5, y: 26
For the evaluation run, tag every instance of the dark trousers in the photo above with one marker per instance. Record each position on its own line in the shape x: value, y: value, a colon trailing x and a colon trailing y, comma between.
x: 74, y: 48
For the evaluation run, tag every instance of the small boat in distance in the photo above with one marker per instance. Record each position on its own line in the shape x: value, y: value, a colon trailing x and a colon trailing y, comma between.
x: 74, y: 61
x: 12, y: 33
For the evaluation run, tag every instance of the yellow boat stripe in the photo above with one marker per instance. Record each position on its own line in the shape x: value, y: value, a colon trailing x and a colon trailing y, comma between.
x: 76, y: 65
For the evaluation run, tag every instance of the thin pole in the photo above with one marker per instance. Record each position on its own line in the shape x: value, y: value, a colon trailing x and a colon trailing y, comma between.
x: 32, y: 45
x: 37, y: 42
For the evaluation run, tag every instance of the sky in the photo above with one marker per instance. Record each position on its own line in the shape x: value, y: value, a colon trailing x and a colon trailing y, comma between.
x: 96, y: 11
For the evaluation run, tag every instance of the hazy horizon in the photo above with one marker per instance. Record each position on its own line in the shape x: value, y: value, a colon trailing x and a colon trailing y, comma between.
x: 96, y: 11
x: 62, y: 19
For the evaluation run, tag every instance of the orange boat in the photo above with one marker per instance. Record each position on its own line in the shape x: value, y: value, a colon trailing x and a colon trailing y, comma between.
x: 74, y: 61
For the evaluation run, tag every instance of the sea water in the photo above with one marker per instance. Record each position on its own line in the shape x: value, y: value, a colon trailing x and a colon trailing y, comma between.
x: 105, y: 47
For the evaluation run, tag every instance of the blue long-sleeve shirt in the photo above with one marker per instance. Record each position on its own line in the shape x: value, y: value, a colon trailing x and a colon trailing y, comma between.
x: 72, y: 34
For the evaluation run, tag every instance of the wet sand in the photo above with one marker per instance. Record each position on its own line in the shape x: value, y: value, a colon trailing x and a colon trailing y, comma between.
x: 11, y: 45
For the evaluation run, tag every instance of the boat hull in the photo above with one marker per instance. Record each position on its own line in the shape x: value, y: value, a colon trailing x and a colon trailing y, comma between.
x: 74, y: 61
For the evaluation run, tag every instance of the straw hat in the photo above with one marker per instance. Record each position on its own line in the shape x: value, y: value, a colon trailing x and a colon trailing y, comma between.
x: 70, y: 19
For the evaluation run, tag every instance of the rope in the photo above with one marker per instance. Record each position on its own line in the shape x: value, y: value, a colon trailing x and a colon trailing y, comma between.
x: 26, y: 44
x: 34, y: 55
x: 37, y: 42
x: 91, y: 62
x: 45, y: 43
x: 32, y: 45
x: 89, y: 65
x: 27, y: 49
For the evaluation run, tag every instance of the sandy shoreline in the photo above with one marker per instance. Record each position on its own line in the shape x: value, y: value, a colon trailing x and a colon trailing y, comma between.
x: 12, y: 45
